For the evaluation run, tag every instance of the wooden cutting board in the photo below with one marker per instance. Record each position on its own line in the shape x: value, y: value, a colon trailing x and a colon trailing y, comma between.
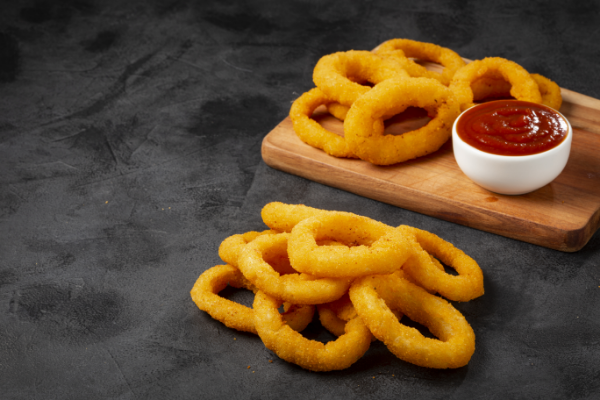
x: 562, y: 215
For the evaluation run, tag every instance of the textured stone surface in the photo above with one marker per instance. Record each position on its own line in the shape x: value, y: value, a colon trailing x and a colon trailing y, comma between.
x: 130, y: 140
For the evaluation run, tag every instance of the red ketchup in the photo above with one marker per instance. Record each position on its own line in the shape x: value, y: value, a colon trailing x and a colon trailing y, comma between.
x: 512, y: 128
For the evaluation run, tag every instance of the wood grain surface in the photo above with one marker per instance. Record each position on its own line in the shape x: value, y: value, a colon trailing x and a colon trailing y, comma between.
x: 562, y: 215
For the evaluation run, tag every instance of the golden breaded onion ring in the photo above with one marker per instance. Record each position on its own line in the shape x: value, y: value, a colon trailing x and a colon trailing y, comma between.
x: 283, y: 217
x: 234, y: 315
x: 371, y: 247
x: 364, y: 128
x: 294, y: 288
x: 420, y: 268
x: 412, y: 68
x: 523, y: 86
x: 230, y: 248
x: 312, y: 355
x: 338, y: 74
x: 449, y: 59
x: 373, y: 296
x: 550, y: 91
x: 310, y: 131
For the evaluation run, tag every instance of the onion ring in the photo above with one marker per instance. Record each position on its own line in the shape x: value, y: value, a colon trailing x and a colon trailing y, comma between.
x: 230, y: 248
x: 294, y: 288
x: 412, y: 68
x: 372, y: 297
x: 550, y: 91
x: 283, y: 217
x: 465, y: 286
x: 310, y: 131
x: 523, y: 86
x: 337, y: 74
x: 234, y: 315
x: 364, y: 129
x: 371, y: 247
x: 449, y: 59
x: 308, y: 354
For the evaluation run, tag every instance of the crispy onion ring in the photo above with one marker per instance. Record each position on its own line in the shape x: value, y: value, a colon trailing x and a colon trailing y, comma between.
x: 497, y: 86
x: 230, y: 248
x: 371, y: 246
x: 412, y: 68
x: 283, y: 217
x: 234, y: 315
x: 523, y: 86
x: 337, y: 74
x: 294, y: 288
x: 550, y: 91
x: 449, y: 59
x: 465, y: 286
x: 456, y: 342
x: 310, y: 131
x: 309, y: 354
x: 364, y: 129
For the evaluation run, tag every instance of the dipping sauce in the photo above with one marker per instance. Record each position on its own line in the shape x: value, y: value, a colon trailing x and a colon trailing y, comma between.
x: 512, y: 128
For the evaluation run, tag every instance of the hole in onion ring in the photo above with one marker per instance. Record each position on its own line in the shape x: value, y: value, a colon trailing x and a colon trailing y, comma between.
x: 423, y: 330
x: 409, y: 120
x: 328, y: 121
x: 241, y: 296
x: 491, y: 88
x: 447, y: 268
x: 280, y: 263
x: 316, y: 331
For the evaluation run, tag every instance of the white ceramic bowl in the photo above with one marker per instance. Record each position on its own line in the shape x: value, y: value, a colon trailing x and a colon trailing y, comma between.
x: 511, y: 174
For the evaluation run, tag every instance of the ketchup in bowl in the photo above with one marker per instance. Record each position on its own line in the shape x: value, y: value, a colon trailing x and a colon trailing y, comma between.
x: 510, y: 146
x: 512, y: 128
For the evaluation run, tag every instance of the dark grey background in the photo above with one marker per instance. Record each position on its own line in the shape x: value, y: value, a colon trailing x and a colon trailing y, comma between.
x: 130, y: 137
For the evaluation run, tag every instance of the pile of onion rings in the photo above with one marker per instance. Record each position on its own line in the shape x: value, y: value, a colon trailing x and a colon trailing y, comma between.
x: 364, y: 88
x: 361, y: 275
